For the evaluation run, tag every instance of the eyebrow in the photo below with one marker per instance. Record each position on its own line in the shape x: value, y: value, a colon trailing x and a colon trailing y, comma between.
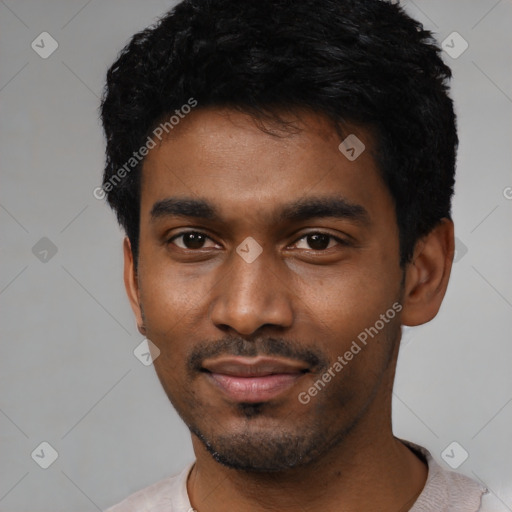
x: 299, y: 210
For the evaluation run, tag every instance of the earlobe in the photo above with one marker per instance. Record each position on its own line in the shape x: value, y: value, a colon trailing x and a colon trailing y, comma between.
x: 427, y: 275
x: 131, y: 284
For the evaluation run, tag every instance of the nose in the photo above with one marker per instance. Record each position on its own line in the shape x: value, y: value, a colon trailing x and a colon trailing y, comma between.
x: 252, y: 295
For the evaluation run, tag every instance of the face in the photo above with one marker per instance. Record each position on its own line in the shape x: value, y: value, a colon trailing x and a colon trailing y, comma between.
x: 269, y: 279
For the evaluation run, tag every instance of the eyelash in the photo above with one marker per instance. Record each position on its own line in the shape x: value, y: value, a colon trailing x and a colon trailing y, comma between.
x: 339, y: 240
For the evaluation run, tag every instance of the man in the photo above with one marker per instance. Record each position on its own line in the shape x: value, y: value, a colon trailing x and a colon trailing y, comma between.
x: 284, y: 171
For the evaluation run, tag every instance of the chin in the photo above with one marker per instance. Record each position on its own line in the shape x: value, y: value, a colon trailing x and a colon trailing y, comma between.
x: 263, y: 451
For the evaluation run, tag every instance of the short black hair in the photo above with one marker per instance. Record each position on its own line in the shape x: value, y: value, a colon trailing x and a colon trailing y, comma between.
x: 361, y: 61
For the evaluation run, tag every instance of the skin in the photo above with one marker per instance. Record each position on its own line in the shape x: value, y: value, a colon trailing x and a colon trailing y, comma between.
x: 336, y: 452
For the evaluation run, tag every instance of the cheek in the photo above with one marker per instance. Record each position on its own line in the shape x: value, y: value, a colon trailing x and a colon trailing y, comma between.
x: 344, y: 315
x: 349, y: 299
x: 168, y: 311
x: 167, y: 296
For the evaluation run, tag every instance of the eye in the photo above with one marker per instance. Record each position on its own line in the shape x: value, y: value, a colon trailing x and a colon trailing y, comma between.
x: 191, y: 240
x: 318, y: 241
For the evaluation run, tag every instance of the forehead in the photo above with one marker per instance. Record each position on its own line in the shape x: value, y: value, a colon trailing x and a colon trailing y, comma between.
x: 224, y: 156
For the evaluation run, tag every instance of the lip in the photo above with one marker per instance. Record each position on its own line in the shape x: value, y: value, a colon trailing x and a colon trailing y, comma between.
x: 253, y: 379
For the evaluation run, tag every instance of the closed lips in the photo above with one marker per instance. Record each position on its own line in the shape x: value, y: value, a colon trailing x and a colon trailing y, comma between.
x: 253, y: 379
x: 253, y: 367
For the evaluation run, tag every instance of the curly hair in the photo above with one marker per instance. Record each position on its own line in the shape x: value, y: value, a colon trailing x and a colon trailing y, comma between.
x: 362, y: 61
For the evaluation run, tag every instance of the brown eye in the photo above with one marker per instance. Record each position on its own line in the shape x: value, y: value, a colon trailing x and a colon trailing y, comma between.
x: 190, y: 240
x: 318, y: 241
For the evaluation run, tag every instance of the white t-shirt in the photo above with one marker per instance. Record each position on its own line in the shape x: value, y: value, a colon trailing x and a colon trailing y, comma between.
x: 444, y: 491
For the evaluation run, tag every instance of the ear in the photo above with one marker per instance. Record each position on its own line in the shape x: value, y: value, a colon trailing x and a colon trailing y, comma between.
x: 132, y: 285
x: 427, y: 275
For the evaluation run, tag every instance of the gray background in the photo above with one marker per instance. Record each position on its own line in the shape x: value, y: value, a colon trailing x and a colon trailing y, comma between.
x: 68, y: 375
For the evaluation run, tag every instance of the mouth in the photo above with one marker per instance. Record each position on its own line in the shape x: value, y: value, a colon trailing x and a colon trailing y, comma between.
x: 253, y: 379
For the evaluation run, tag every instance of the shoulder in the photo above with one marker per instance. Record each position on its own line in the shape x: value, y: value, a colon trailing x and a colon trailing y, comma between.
x: 167, y: 495
x: 447, y: 490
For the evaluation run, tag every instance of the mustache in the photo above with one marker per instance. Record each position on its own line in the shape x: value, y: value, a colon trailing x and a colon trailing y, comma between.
x: 261, y: 347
